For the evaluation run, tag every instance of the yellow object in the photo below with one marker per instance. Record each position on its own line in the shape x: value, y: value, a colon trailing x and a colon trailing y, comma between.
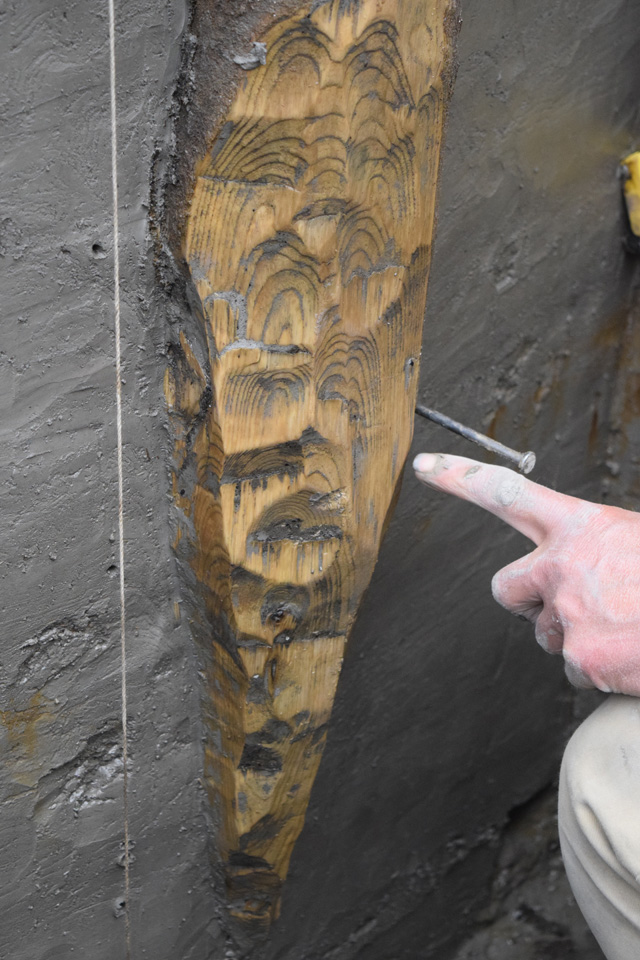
x: 632, y: 190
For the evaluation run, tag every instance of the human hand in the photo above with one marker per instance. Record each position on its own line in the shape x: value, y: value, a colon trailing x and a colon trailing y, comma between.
x: 580, y: 586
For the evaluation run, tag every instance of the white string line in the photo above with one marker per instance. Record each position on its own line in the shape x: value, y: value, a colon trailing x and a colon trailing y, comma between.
x: 116, y: 304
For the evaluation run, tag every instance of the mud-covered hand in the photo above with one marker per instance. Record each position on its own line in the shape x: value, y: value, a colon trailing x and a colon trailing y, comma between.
x: 581, y: 584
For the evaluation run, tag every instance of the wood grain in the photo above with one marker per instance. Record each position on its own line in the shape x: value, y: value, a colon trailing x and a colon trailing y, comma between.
x: 308, y: 245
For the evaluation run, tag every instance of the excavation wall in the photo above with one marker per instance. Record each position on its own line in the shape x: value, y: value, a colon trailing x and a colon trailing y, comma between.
x: 447, y: 715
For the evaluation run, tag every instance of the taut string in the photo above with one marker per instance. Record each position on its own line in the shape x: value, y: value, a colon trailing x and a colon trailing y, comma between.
x: 118, y: 363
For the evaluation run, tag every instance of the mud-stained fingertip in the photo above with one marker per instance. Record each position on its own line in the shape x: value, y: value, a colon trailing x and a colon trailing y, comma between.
x: 425, y: 463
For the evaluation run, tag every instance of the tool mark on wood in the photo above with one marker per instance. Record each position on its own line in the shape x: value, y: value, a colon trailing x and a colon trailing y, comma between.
x: 308, y: 242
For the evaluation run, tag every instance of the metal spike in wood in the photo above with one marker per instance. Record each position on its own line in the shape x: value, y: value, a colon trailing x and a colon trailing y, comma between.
x: 308, y: 242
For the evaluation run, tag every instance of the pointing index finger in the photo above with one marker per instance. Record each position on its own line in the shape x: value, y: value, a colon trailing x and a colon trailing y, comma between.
x: 528, y: 507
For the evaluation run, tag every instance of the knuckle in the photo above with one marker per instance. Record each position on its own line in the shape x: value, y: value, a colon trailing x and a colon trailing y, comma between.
x: 508, y: 488
x: 499, y: 587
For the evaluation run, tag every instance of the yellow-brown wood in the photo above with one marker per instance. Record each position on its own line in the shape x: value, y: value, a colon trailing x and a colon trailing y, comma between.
x: 308, y: 243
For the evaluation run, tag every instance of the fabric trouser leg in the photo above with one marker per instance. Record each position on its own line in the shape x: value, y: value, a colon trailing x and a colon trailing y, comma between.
x: 599, y: 823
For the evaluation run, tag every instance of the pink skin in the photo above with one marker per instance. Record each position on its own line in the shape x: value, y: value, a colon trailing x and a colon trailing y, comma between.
x: 580, y: 586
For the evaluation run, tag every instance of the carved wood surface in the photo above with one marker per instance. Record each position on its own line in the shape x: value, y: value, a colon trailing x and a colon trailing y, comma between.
x: 308, y: 243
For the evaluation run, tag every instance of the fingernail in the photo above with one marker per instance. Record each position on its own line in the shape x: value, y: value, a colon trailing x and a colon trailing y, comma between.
x: 425, y: 462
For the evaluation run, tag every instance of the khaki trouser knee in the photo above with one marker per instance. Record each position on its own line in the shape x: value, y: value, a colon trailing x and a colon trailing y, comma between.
x: 599, y: 823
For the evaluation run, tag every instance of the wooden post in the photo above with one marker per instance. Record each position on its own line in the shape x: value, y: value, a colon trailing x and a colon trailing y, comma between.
x: 307, y: 239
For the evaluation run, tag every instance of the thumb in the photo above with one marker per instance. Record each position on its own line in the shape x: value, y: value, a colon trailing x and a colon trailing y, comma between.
x: 532, y: 509
x: 516, y: 589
